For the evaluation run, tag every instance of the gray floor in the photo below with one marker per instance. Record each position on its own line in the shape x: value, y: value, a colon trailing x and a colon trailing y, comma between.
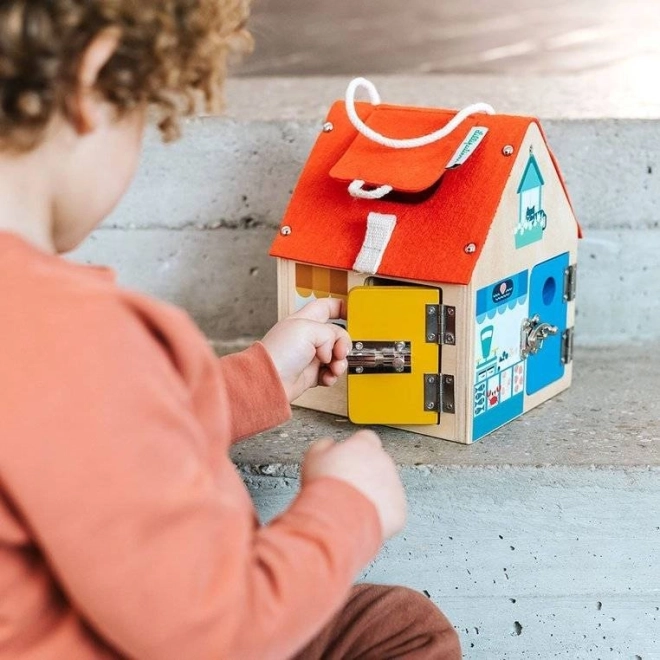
x: 593, y: 425
x: 345, y: 37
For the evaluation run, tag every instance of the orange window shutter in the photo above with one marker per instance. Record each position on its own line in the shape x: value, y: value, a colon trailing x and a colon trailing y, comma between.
x: 321, y: 279
x: 304, y: 280
x: 338, y: 283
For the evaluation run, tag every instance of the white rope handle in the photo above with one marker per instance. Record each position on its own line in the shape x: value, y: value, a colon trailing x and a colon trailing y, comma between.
x: 410, y: 143
x: 357, y: 189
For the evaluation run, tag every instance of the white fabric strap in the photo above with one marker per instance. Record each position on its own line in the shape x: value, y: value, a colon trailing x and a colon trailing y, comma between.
x: 410, y: 143
x: 379, y: 232
x: 356, y: 190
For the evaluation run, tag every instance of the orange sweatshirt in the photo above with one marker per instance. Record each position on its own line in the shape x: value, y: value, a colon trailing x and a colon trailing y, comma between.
x: 125, y: 530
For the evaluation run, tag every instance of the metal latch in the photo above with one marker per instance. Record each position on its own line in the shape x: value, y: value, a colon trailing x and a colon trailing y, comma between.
x: 567, y: 345
x: 441, y: 324
x: 533, y: 334
x: 570, y: 283
x: 439, y: 393
x: 379, y: 357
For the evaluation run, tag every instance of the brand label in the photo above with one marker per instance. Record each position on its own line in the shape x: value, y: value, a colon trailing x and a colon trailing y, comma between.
x: 503, y: 291
x: 468, y: 147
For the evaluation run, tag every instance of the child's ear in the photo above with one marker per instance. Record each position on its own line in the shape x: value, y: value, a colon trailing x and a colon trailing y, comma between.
x: 87, y: 106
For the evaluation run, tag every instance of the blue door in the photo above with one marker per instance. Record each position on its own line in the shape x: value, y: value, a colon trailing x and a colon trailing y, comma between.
x: 546, y: 298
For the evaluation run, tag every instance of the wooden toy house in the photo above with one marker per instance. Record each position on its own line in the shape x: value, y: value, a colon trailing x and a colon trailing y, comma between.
x: 456, y: 255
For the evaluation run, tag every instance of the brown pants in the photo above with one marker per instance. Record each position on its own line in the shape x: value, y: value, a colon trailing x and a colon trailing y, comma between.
x: 381, y: 623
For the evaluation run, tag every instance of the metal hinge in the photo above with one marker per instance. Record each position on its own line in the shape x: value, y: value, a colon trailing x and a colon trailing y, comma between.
x: 439, y: 393
x: 567, y: 346
x: 570, y: 283
x: 441, y: 324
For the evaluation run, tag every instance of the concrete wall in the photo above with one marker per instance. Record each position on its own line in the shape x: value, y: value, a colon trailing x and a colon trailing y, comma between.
x: 196, y: 225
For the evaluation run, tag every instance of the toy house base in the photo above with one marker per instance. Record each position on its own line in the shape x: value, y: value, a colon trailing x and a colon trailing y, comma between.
x: 448, y: 429
x: 466, y: 322
x: 457, y: 427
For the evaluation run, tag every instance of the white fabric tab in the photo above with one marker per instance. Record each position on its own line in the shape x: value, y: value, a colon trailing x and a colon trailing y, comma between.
x: 379, y: 232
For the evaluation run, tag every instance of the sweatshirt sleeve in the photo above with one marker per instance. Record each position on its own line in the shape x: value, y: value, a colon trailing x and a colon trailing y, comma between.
x: 106, y: 463
x: 256, y: 394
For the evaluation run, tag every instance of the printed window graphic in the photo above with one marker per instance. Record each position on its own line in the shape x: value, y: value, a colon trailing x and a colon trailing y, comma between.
x: 314, y: 282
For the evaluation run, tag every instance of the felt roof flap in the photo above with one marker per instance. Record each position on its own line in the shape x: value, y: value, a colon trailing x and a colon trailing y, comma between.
x: 406, y: 170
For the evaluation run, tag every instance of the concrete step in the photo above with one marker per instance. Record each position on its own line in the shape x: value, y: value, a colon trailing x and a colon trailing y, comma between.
x: 196, y: 226
x: 541, y: 541
x: 453, y: 36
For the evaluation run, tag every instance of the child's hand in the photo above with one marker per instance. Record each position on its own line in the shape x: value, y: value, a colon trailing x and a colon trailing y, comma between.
x: 307, y: 350
x: 362, y: 462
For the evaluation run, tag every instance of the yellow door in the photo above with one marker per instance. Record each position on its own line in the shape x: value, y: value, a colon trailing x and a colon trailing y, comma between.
x: 395, y: 355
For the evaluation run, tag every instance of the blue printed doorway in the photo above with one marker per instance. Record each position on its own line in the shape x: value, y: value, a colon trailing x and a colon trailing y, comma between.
x: 547, y: 301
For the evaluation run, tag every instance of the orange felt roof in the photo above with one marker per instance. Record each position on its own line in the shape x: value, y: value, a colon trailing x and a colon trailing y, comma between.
x: 327, y: 225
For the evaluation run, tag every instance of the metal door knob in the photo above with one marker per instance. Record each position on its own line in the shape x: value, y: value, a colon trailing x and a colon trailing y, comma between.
x: 534, y: 333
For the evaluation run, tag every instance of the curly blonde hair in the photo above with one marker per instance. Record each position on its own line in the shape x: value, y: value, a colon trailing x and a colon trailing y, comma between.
x: 171, y: 55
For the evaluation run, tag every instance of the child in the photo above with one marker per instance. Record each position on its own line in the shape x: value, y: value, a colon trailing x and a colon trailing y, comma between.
x: 125, y: 531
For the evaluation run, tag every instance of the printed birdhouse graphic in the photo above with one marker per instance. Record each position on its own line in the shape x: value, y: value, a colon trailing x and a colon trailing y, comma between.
x: 532, y: 218
x: 451, y: 237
